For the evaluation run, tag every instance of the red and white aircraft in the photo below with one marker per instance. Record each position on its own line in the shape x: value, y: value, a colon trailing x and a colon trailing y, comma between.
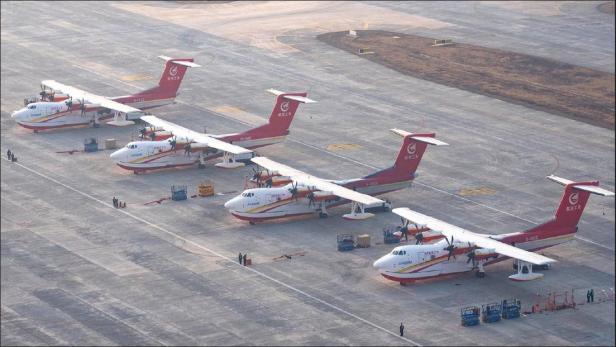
x: 175, y: 146
x: 297, y: 193
x: 62, y: 106
x: 415, y: 262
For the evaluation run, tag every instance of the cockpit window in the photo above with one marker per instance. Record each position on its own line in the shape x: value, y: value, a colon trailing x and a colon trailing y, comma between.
x: 131, y: 146
x: 248, y: 195
x: 398, y: 252
x: 32, y: 107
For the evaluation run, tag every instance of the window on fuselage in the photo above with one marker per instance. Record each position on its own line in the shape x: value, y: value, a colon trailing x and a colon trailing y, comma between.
x: 32, y: 107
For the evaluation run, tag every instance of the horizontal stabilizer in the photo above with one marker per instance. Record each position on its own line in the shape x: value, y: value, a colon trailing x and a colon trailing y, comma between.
x: 585, y: 187
x: 291, y: 97
x: 299, y: 98
x: 185, y: 63
x: 594, y: 190
x: 560, y: 180
x: 426, y: 139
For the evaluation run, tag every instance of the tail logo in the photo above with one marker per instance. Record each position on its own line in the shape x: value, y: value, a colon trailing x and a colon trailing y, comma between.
x: 284, y: 108
x: 573, y: 198
x: 173, y: 70
x: 173, y: 73
x: 411, y: 149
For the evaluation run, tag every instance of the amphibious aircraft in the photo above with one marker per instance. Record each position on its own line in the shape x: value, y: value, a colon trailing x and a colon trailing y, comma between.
x: 298, y: 193
x: 460, y: 250
x: 173, y: 146
x: 60, y: 106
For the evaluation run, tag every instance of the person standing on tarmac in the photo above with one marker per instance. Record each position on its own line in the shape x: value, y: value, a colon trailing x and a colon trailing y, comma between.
x: 401, y: 329
x: 239, y: 258
x: 245, y: 258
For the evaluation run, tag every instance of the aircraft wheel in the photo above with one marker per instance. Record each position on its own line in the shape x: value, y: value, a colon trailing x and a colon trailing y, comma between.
x: 251, y: 222
x: 480, y: 274
x: 322, y: 215
x: 403, y: 284
x: 136, y: 172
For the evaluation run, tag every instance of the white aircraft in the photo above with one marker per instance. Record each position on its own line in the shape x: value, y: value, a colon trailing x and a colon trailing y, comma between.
x: 290, y: 192
x: 176, y: 146
x: 275, y: 202
x: 143, y: 155
x: 62, y: 106
x: 415, y: 262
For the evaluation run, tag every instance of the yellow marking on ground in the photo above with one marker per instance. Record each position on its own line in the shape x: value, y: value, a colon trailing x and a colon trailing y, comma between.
x: 477, y: 191
x: 335, y: 147
x: 136, y: 77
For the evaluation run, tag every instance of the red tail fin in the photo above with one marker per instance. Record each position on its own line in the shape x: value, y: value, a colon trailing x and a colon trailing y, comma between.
x: 571, y: 205
x: 171, y: 78
x: 282, y: 114
x: 411, y: 152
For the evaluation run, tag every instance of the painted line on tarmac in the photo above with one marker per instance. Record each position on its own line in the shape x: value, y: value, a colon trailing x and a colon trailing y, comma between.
x: 233, y: 261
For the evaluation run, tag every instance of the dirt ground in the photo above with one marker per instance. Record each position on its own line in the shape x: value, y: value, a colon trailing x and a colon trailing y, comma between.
x: 564, y: 89
x: 607, y: 7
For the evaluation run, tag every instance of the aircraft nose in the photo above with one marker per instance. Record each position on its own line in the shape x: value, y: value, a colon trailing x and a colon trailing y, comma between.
x: 379, y: 263
x: 117, y: 155
x: 17, y: 115
x: 231, y: 204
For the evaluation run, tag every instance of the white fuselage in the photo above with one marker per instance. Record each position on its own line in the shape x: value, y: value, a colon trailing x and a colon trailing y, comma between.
x: 413, y: 262
x: 150, y: 155
x: 277, y: 202
x: 48, y: 115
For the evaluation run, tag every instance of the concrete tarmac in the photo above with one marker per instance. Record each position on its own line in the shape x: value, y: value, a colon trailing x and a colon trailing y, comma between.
x: 77, y: 271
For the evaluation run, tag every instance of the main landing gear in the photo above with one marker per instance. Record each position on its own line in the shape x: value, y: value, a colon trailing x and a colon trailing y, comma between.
x: 480, y: 273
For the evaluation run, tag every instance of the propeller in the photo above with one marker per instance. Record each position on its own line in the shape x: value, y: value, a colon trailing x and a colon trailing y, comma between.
x: 187, y: 148
x: 450, y: 248
x: 153, y: 136
x: 69, y: 102
x: 293, y: 190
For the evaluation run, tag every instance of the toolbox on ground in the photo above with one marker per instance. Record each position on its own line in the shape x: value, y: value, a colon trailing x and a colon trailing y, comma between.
x: 345, y: 242
x: 90, y: 145
x: 178, y: 193
x: 511, y: 308
x: 206, y: 189
x: 491, y: 313
x: 363, y: 241
x: 469, y: 316
x: 389, y: 234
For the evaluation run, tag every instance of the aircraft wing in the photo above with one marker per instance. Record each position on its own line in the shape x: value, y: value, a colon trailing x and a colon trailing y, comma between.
x: 200, y: 138
x: 79, y: 94
x: 462, y: 235
x: 308, y: 180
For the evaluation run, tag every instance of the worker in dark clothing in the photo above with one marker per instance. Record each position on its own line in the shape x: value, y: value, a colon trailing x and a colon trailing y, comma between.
x: 401, y: 329
x: 592, y: 295
x: 588, y: 296
x: 239, y: 258
x: 115, y: 202
x: 405, y: 232
x: 244, y: 258
x: 8, y: 154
